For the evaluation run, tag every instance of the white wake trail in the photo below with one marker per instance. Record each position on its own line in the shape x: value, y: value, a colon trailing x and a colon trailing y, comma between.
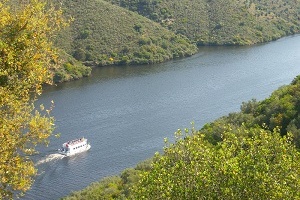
x: 48, y: 158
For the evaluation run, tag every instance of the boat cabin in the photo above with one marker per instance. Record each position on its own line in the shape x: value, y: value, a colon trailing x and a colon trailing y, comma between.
x: 74, y: 146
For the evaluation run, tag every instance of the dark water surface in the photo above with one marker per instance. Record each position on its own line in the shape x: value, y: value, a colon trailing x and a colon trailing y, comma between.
x: 126, y: 112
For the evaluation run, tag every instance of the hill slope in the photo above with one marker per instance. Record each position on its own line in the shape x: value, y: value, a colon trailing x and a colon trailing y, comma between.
x: 103, y: 34
x: 222, y: 22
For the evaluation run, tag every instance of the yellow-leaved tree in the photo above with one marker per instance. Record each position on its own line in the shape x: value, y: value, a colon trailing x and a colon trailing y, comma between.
x: 26, y: 55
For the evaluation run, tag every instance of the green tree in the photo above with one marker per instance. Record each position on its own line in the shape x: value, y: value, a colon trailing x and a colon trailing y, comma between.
x: 246, y: 164
x: 26, y: 55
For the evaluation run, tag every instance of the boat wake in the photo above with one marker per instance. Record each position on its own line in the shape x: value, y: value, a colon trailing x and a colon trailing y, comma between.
x: 48, y: 158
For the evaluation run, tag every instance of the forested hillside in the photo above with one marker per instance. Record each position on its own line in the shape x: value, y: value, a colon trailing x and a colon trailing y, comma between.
x: 104, y: 34
x: 121, y: 32
x: 222, y: 22
x: 249, y: 154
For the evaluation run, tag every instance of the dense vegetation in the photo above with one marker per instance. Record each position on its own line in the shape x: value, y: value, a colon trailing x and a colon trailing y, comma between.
x: 221, y: 22
x: 104, y: 34
x: 251, y: 154
x: 281, y: 109
x: 247, y: 164
x: 68, y: 68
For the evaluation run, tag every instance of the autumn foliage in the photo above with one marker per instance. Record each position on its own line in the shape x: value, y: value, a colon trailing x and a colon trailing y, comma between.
x: 26, y: 55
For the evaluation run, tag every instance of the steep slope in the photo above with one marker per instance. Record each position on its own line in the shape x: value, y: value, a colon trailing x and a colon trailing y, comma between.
x: 222, y: 22
x: 103, y: 34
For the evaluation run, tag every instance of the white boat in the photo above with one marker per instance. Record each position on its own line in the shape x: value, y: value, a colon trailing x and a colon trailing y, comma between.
x: 75, y: 146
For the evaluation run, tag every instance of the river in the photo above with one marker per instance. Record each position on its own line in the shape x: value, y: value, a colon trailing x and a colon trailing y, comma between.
x: 126, y: 112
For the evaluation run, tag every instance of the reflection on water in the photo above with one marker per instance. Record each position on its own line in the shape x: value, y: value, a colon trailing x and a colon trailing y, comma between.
x: 126, y: 112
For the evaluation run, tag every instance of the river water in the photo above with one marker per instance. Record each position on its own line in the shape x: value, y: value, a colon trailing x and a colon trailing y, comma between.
x: 126, y: 112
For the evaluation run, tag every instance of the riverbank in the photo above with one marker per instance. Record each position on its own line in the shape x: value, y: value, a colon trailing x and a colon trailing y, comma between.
x: 73, y: 70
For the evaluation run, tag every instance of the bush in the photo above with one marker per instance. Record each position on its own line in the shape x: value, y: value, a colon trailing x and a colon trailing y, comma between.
x: 255, y: 164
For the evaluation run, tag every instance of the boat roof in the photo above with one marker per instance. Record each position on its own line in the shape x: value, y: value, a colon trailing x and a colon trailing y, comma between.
x: 76, y: 141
